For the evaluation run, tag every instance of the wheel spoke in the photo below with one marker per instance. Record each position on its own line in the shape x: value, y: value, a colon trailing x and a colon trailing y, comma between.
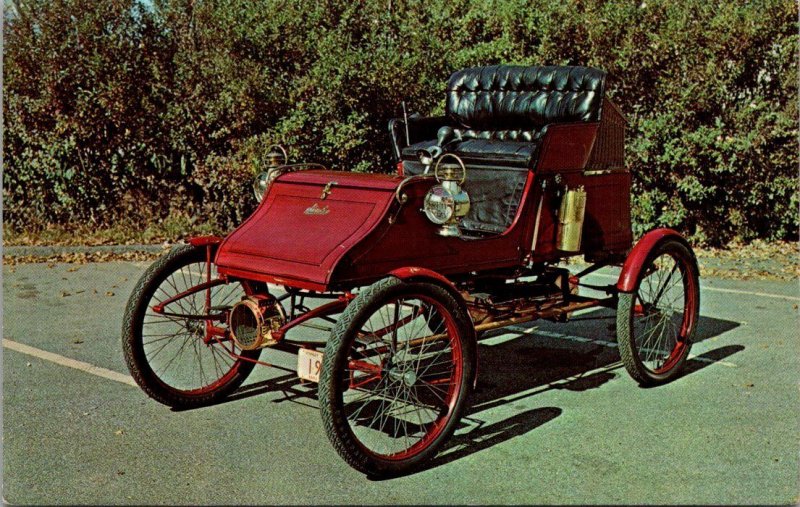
x: 403, y: 411
x: 659, y: 311
x: 174, y: 348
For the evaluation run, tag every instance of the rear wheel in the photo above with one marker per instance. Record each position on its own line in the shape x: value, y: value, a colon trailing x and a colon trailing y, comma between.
x: 396, y: 376
x: 167, y: 354
x: 655, y: 323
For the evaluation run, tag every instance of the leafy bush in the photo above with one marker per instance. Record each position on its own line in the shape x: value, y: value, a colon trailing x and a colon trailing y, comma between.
x: 132, y: 112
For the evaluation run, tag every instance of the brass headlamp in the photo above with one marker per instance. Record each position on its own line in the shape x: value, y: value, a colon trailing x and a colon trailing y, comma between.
x: 445, y: 204
x: 275, y: 158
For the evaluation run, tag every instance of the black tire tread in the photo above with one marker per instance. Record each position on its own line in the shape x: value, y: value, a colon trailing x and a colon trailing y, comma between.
x: 336, y: 426
x: 626, y: 340
x: 177, y: 257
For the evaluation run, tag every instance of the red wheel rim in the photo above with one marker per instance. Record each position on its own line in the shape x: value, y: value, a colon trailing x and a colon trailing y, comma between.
x: 175, y: 349
x: 399, y: 404
x: 664, y: 315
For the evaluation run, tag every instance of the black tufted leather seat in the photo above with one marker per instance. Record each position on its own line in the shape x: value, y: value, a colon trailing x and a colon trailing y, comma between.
x: 502, y: 112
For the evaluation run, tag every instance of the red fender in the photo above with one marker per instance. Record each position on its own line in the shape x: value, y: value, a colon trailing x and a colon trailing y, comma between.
x: 210, y: 242
x: 205, y: 240
x: 412, y: 273
x: 638, y: 256
x: 415, y: 274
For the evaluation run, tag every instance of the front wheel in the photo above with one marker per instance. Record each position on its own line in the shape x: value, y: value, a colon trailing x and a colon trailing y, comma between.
x: 167, y: 353
x: 396, y: 376
x: 656, y: 321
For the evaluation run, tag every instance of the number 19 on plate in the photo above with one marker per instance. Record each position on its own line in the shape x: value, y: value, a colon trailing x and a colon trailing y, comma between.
x: 309, y: 364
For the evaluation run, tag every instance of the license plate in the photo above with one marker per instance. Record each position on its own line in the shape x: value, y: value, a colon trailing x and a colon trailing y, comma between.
x: 309, y: 364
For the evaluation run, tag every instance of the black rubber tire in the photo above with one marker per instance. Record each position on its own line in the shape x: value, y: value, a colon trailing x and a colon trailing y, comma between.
x: 132, y: 340
x: 336, y: 351
x: 626, y: 336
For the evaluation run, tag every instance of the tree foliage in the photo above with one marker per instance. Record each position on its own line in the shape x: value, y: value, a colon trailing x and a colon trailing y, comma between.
x: 125, y: 111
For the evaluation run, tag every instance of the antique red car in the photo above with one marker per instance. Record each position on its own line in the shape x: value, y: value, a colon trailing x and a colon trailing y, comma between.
x: 525, y: 169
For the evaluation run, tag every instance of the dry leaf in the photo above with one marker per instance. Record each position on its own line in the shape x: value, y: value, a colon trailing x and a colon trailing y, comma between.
x: 109, y: 293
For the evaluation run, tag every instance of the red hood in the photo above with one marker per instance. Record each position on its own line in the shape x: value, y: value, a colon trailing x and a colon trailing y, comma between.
x: 297, y: 236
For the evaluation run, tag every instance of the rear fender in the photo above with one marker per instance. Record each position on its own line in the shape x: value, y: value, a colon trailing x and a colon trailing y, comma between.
x: 415, y: 274
x: 638, y: 256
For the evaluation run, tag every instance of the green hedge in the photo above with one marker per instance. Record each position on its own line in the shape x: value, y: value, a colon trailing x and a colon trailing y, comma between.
x: 131, y: 111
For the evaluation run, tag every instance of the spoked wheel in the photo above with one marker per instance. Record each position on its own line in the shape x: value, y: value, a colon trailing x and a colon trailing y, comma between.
x: 396, y: 375
x: 167, y: 354
x: 655, y: 323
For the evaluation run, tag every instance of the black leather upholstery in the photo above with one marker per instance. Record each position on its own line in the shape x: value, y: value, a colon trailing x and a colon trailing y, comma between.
x: 501, y: 115
x: 505, y: 97
x: 491, y: 148
x: 501, y: 112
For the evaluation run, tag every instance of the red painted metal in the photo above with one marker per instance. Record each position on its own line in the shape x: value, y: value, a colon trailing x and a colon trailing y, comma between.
x: 277, y: 280
x: 205, y: 240
x: 401, y: 171
x: 325, y: 230
x: 327, y: 309
x: 409, y: 238
x: 688, y: 324
x: 607, y: 221
x: 159, y: 308
x: 375, y: 370
x: 636, y: 259
x: 412, y: 272
x: 566, y: 147
x: 307, y: 222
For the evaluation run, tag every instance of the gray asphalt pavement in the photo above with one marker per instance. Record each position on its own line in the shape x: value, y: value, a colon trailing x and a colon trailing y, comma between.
x: 556, y: 419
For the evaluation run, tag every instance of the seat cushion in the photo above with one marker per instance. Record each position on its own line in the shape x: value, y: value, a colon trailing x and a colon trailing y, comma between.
x: 487, y: 148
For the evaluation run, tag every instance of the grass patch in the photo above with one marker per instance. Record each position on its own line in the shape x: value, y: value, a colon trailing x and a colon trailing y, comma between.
x: 168, y: 230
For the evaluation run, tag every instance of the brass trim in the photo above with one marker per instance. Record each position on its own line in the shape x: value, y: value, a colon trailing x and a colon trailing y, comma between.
x: 402, y: 198
x: 327, y: 190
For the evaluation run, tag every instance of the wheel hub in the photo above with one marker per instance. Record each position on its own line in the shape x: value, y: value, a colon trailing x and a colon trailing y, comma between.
x: 408, y: 377
x: 195, y: 327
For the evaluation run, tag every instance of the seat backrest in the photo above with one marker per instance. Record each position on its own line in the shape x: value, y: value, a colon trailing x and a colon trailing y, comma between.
x: 518, y: 101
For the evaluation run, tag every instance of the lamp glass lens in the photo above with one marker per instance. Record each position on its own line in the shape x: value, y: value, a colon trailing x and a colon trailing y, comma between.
x: 439, y: 205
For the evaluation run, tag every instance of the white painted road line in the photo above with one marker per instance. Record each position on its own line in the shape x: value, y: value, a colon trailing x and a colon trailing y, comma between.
x: 719, y: 289
x: 68, y: 362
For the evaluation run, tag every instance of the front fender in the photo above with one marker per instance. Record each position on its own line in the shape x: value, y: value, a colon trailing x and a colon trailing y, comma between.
x: 211, y: 243
x: 413, y: 274
x: 638, y: 256
x: 205, y: 240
